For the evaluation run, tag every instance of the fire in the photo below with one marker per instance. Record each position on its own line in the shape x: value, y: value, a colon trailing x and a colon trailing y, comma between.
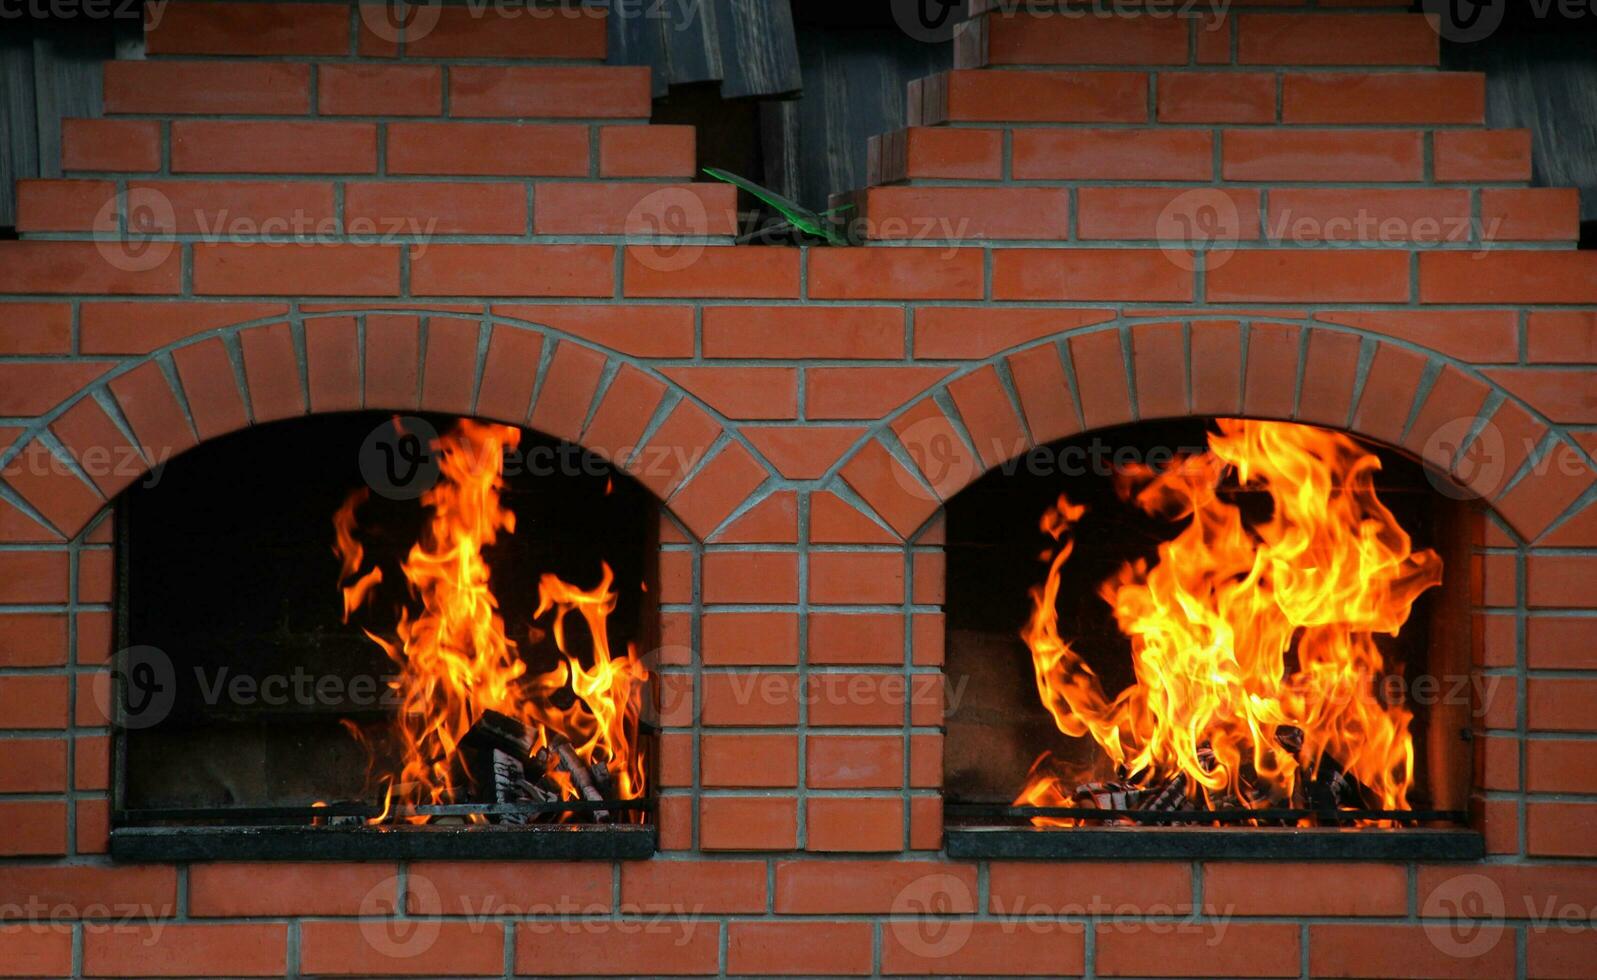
x: 456, y: 662
x: 1253, y: 643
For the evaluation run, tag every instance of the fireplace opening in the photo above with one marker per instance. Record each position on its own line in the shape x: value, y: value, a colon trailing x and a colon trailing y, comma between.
x: 368, y: 636
x: 1217, y: 638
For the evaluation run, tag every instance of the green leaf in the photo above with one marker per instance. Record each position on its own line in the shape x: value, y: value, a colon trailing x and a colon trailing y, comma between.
x: 795, y: 214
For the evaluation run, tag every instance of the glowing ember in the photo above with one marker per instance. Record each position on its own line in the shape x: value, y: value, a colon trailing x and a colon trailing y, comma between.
x: 1253, y: 644
x: 455, y: 661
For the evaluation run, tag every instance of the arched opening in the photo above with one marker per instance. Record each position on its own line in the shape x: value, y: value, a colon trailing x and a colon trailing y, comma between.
x: 1209, y: 628
x: 361, y: 622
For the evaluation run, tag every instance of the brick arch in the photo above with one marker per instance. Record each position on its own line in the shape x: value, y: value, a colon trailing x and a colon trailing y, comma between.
x: 154, y: 408
x: 1388, y: 389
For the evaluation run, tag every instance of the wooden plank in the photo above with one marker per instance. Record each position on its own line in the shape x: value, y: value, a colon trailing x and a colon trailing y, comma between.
x: 759, y: 49
x: 19, y: 136
x: 66, y: 84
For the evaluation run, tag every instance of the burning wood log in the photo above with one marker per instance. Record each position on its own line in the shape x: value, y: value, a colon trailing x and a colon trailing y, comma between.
x: 582, y: 776
x: 498, y: 750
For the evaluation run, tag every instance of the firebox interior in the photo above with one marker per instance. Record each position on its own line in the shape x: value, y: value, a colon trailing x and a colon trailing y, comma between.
x: 229, y: 592
x: 997, y: 725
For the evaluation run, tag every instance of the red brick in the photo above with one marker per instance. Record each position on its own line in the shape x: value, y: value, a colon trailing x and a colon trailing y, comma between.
x: 722, y: 272
x: 1045, y: 393
x: 1561, y: 338
x: 1561, y: 705
x: 860, y: 824
x: 550, y: 93
x: 436, y: 208
x: 1560, y: 953
x: 1089, y: 274
x: 723, y: 484
x: 1216, y: 97
x: 34, y: 765
x: 1376, y: 97
x: 1350, y: 39
x: 1035, y: 947
x: 888, y: 488
x: 651, y: 947
x: 33, y: 701
x: 379, y: 90
x: 750, y: 699
x: 635, y: 209
x: 512, y: 270
x: 860, y: 578
x: 742, y: 392
x: 1126, y: 949
x: 896, y: 273
x: 567, y: 391
x: 979, y: 331
x: 1508, y: 278
x: 1537, y: 214
x: 1086, y: 40
x: 922, y: 213
x: 1301, y: 275
x: 1430, y: 216
x: 749, y: 639
x: 748, y: 823
x: 513, y: 32
x: 33, y: 828
x: 484, y: 888
x: 1480, y: 336
x: 647, y: 151
x: 66, y: 205
x: 644, y: 331
x: 1329, y: 155
x: 1482, y: 155
x: 1041, y: 96
x: 244, y: 890
x: 932, y: 153
x: 1561, y: 830
x: 791, y: 332
x: 1305, y: 889
x: 33, y: 640
x: 864, y: 393
x: 1399, y: 952
x: 248, y: 29
x: 36, y: 328
x: 487, y: 149
x: 1111, y: 154
x: 854, y: 762
x: 1158, y: 888
x: 863, y: 887
x: 704, y: 886
x: 36, y: 950
x: 224, y: 147
x: 296, y: 269
x: 856, y: 638
x: 803, y: 452
x: 748, y: 761
x: 257, y: 88
x: 128, y: 145
x: 84, y: 267
x: 1558, y: 642
x: 799, y: 948
x: 183, y: 950
x: 675, y: 449
x: 1099, y: 362
x: 469, y: 948
x: 1161, y: 213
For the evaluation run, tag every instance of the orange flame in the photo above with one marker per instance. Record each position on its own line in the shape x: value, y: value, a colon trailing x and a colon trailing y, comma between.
x: 455, y: 660
x: 1240, y: 630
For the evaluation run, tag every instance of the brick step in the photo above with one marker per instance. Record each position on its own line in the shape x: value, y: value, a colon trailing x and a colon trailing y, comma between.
x: 1031, y: 36
x: 1419, y: 216
x: 1110, y: 96
x: 565, y: 33
x: 134, y: 146
x: 255, y: 208
x: 283, y: 88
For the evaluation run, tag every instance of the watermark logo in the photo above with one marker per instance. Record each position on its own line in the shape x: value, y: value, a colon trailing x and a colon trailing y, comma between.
x: 1465, y: 21
x: 665, y: 215
x: 150, y: 214
x: 930, y: 21
x: 922, y: 915
x: 396, y: 20
x: 1478, y: 463
x: 395, y: 937
x: 1204, y: 220
x: 941, y: 456
x: 397, y: 459
x: 142, y: 688
x: 1464, y: 916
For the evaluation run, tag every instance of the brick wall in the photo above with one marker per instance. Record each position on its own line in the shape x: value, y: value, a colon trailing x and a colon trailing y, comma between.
x: 286, y: 211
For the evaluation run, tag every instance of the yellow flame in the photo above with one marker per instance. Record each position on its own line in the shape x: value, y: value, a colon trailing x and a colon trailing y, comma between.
x: 1240, y: 630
